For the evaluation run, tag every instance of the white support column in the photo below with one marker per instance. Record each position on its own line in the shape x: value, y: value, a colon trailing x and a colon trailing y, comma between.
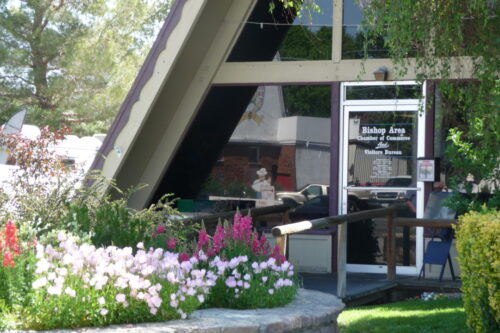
x: 338, y: 9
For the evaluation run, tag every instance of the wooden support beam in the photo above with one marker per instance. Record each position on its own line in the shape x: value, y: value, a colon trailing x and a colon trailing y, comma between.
x: 391, y: 248
x: 286, y: 217
x: 332, y: 220
x: 281, y: 242
x: 342, y: 260
x: 431, y: 223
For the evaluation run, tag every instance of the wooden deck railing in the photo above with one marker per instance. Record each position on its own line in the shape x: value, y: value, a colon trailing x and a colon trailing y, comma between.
x: 407, y: 222
x: 281, y: 233
x: 212, y: 219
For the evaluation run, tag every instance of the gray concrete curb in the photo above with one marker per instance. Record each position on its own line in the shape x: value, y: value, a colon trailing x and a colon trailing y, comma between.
x: 311, y: 312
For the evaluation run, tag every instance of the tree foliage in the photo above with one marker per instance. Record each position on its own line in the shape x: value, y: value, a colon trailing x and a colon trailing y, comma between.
x: 435, y: 34
x: 72, y: 60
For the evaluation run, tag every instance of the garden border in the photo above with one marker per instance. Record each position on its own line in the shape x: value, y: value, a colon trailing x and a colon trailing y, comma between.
x: 311, y: 312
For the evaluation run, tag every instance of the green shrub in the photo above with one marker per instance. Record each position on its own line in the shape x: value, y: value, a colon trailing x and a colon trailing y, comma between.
x: 478, y: 245
x: 110, y: 221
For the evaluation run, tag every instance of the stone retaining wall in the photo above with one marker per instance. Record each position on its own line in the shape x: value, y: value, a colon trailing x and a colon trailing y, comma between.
x: 311, y: 312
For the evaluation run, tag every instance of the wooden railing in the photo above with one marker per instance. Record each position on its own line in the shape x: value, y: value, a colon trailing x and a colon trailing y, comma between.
x: 281, y: 233
x: 212, y: 219
x: 407, y: 222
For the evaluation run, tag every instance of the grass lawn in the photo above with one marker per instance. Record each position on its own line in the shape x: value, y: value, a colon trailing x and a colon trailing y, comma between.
x: 444, y: 315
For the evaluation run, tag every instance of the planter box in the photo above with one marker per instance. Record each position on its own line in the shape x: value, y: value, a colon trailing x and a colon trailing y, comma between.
x: 310, y: 312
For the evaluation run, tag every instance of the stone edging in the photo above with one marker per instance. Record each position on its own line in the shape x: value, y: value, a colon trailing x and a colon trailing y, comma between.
x: 311, y: 312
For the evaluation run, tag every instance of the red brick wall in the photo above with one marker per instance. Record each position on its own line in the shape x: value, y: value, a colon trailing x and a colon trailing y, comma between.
x: 286, y: 168
x: 237, y: 168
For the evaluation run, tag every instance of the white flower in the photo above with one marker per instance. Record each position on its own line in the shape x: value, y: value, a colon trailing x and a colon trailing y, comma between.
x: 61, y: 236
x: 101, y: 300
x: 270, y: 291
x: 54, y: 290
x: 70, y: 292
x: 120, y: 298
x: 103, y: 312
x: 41, y: 282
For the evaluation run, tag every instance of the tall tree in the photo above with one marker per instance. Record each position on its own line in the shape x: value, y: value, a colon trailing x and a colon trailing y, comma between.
x: 72, y: 58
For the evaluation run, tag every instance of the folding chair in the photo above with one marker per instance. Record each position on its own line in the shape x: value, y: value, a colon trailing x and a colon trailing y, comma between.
x: 438, y: 252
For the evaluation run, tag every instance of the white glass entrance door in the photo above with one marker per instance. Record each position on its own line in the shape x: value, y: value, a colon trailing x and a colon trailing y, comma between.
x: 383, y: 133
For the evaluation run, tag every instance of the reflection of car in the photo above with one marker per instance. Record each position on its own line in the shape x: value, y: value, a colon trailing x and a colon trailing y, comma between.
x: 307, y: 192
x: 311, y: 209
x: 378, y: 197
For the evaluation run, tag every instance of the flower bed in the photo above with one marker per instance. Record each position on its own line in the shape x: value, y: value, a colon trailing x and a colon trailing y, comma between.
x: 76, y: 284
x: 75, y: 258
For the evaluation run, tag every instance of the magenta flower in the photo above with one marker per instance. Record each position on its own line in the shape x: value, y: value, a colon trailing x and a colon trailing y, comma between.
x: 219, y: 236
x: 277, y: 254
x: 184, y: 257
x: 172, y: 243
x: 161, y: 229
x: 203, y: 239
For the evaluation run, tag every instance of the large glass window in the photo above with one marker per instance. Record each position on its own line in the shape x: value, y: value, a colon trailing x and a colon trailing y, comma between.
x: 279, y: 151
x: 310, y: 36
x: 353, y: 37
x: 284, y: 36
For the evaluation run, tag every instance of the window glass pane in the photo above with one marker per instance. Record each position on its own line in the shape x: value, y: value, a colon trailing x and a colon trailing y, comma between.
x: 382, y: 150
x: 282, y: 36
x: 353, y: 37
x: 383, y: 92
x: 381, y: 153
x: 310, y: 37
x: 293, y: 143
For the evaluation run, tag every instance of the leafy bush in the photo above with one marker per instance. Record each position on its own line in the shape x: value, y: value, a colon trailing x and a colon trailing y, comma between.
x: 478, y: 246
x: 39, y: 190
x: 44, y: 195
x: 111, y: 222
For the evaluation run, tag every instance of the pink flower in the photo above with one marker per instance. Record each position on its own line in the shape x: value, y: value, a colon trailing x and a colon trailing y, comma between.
x: 203, y: 239
x: 172, y: 243
x: 277, y: 255
x: 184, y: 257
x: 231, y: 282
x: 219, y: 236
x: 161, y: 229
x: 242, y: 229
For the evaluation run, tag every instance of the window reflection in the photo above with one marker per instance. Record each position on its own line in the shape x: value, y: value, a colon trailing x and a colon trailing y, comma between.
x: 280, y: 149
x: 353, y: 37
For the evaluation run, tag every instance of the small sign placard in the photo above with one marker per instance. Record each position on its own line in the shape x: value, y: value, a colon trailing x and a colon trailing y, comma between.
x: 427, y: 169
